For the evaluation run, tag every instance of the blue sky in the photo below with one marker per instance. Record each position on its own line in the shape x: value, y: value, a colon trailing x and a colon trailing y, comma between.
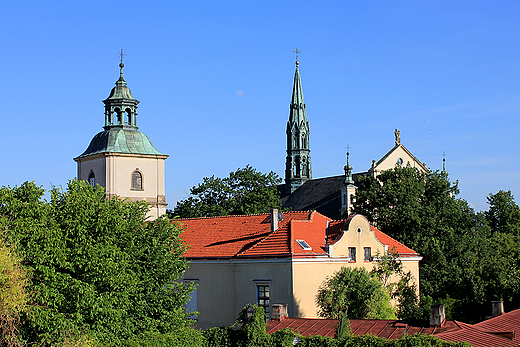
x: 215, y: 78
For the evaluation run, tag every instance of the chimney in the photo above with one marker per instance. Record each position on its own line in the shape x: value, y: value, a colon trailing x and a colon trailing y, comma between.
x: 497, y: 308
x: 279, y: 312
x: 274, y: 219
x: 437, y: 316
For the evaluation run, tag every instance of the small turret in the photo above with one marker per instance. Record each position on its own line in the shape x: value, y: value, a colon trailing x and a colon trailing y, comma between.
x: 121, y: 106
x: 348, y: 190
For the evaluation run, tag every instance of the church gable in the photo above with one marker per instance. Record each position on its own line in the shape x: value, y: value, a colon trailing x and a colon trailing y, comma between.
x: 398, y: 155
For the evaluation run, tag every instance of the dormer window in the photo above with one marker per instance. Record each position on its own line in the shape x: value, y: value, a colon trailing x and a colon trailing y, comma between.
x: 304, y: 245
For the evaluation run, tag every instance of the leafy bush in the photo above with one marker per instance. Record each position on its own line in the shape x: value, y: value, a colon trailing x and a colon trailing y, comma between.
x: 187, y: 337
x: 219, y: 337
x: 355, y: 293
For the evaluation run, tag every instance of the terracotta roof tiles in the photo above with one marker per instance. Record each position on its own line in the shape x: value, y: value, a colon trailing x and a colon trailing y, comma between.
x: 250, y: 236
x: 503, y: 330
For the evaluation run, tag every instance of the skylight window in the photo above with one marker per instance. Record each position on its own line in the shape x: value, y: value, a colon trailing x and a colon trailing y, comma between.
x: 304, y: 245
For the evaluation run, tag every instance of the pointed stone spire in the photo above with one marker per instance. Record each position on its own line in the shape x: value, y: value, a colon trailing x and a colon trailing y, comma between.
x: 121, y: 106
x: 298, y: 161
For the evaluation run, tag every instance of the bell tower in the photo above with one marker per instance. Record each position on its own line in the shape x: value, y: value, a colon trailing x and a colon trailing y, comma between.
x: 121, y: 158
x: 298, y: 168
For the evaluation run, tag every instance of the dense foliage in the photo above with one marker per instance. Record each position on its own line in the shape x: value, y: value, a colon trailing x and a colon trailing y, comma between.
x: 13, y: 293
x: 355, y: 293
x: 469, y: 258
x: 245, y: 191
x: 99, y: 271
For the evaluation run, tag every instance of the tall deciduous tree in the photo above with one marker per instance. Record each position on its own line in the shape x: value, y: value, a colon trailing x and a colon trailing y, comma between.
x: 98, y: 267
x: 245, y: 191
x: 504, y: 214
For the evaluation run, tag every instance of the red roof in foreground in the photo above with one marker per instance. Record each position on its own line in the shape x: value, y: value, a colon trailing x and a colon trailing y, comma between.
x: 503, y: 330
x: 249, y: 236
x: 389, y: 329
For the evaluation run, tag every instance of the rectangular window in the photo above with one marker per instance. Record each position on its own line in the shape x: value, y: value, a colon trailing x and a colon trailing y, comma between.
x: 262, y: 294
x: 352, y: 253
x: 367, y: 251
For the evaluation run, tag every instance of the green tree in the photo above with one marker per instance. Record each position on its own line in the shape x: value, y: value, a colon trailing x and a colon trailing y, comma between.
x: 404, y: 291
x: 355, y: 294
x: 13, y: 294
x: 98, y: 267
x: 468, y: 259
x: 245, y: 191
x: 504, y: 214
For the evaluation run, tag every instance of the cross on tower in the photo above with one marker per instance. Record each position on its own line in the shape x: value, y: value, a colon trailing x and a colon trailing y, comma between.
x: 297, y: 51
x: 122, y: 54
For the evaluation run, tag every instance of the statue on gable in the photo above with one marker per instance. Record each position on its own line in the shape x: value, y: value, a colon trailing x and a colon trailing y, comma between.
x: 397, y: 134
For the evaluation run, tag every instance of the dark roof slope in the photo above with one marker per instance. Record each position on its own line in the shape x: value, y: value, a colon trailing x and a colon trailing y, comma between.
x: 321, y: 194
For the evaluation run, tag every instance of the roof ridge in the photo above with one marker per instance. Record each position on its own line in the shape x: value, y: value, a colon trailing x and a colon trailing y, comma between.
x: 238, y: 215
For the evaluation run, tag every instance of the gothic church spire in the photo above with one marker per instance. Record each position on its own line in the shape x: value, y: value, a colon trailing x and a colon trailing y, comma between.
x: 298, y: 161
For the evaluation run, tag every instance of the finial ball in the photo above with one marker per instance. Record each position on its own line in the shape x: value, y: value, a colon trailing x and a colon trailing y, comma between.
x: 121, y: 65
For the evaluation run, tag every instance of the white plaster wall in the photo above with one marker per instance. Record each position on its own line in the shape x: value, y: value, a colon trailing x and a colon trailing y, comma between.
x: 114, y: 172
x: 97, y: 165
x: 227, y: 286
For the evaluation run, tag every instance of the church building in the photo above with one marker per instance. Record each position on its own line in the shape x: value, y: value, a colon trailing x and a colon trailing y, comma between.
x: 331, y: 196
x: 121, y: 158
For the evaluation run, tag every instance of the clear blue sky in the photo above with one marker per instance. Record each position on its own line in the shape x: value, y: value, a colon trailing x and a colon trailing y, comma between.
x: 214, y: 79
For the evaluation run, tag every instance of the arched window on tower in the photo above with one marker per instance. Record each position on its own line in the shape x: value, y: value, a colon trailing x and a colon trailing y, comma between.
x: 304, y: 141
x: 128, y: 117
x: 117, y: 112
x: 137, y: 180
x: 305, y: 171
x: 92, y: 178
x: 297, y: 167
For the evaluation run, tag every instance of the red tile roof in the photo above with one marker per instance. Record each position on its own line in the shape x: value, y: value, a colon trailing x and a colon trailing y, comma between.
x: 389, y: 329
x: 250, y: 236
x: 476, y: 337
x: 503, y: 330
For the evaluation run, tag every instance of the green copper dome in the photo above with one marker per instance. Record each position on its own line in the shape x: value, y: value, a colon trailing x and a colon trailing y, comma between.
x: 121, y: 139
x: 121, y: 90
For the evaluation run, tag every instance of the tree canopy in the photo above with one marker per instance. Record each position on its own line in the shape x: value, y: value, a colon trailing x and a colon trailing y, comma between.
x: 245, y: 191
x: 469, y: 258
x: 354, y: 293
x: 97, y: 266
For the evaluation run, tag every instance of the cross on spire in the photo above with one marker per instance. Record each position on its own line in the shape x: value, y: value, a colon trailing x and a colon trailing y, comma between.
x: 121, y: 65
x: 122, y: 54
x: 297, y: 51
